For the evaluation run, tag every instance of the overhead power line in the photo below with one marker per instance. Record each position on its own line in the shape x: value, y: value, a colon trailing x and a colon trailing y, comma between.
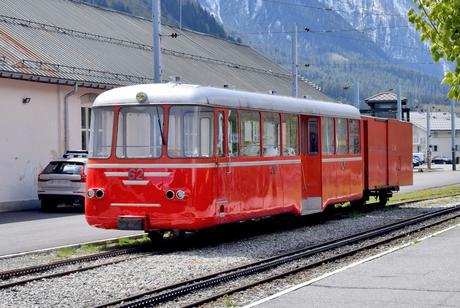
x: 360, y: 10
x: 308, y: 30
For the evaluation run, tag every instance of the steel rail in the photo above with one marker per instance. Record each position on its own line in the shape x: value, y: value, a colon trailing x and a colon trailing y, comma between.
x: 46, y: 267
x: 65, y: 273
x: 173, y: 291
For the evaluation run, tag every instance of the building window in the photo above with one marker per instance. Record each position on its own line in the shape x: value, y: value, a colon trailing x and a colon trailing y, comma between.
x: 271, y: 134
x: 341, y: 136
x: 250, y: 133
x: 85, y: 127
x: 327, y: 132
x: 290, y: 135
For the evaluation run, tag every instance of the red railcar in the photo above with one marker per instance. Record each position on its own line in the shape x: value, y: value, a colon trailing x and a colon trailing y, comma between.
x: 183, y: 157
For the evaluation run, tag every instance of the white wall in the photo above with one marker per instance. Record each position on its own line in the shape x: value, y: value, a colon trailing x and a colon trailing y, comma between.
x: 33, y: 134
x: 443, y: 142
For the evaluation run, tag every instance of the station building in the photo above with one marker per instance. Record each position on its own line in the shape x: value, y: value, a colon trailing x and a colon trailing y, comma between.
x: 56, y: 56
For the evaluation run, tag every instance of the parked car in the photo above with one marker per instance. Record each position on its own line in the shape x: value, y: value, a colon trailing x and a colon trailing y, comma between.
x: 63, y: 181
x: 416, y: 161
x: 441, y: 160
x: 420, y: 156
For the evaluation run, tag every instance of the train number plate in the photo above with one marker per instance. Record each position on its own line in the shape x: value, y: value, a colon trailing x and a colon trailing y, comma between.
x: 130, y: 223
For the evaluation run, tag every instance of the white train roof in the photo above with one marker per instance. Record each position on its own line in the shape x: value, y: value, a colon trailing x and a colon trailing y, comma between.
x: 183, y: 94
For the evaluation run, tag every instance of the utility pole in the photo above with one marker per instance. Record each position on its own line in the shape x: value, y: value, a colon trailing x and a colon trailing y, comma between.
x: 357, y: 95
x: 428, y: 133
x: 294, y: 81
x: 453, y: 133
x: 399, y: 105
x: 156, y: 20
x: 180, y: 15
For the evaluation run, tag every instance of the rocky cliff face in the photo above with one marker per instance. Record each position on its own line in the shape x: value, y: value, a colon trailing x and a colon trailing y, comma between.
x: 365, y: 29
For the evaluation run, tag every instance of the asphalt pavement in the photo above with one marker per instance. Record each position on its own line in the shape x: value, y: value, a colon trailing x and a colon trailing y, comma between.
x: 34, y: 230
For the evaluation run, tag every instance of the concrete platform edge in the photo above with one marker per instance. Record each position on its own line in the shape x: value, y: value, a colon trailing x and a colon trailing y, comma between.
x: 296, y: 287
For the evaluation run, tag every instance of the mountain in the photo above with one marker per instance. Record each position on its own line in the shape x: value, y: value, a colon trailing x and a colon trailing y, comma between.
x: 366, y: 40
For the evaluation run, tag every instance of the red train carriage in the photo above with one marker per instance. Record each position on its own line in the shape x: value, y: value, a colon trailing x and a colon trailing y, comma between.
x: 183, y: 157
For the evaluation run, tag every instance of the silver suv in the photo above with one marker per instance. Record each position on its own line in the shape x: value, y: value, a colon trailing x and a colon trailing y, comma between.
x: 63, y: 181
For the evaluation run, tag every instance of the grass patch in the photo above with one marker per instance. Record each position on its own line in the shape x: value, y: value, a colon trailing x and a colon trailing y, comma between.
x: 87, y: 249
x: 66, y: 252
x: 425, y: 194
x: 228, y: 302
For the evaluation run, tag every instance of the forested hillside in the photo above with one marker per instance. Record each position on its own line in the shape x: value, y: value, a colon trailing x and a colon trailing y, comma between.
x: 194, y: 16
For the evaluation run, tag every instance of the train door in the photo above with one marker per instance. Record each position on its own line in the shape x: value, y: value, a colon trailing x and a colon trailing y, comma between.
x: 311, y: 165
x: 227, y: 149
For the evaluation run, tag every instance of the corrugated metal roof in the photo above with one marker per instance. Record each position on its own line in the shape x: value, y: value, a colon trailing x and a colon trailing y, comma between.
x: 384, y: 97
x: 63, y: 40
x: 438, y: 120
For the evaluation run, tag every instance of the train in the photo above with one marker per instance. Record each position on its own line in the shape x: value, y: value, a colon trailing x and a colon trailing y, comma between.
x: 179, y: 157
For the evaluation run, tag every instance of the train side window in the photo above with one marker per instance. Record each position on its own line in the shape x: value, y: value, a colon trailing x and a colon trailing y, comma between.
x: 250, y: 133
x: 313, y: 145
x: 354, y: 139
x: 327, y: 133
x: 220, y: 134
x: 290, y: 135
x: 341, y: 133
x: 232, y: 133
x: 271, y: 134
x: 191, y: 131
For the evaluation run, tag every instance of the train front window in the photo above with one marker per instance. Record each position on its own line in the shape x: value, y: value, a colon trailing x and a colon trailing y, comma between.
x: 190, y: 132
x: 101, y: 133
x: 139, y: 132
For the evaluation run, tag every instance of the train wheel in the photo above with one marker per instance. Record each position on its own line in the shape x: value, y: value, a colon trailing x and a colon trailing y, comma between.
x: 383, y: 199
x: 155, y: 236
x: 358, y: 203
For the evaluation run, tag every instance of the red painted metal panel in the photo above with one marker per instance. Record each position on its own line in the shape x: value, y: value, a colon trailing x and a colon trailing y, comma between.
x: 399, y: 153
x: 376, y: 158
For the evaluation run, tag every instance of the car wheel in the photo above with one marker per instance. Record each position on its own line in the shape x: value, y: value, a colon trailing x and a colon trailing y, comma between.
x: 48, y: 206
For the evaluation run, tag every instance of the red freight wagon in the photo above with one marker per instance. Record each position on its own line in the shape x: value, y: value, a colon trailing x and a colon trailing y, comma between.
x: 387, y: 156
x: 183, y: 157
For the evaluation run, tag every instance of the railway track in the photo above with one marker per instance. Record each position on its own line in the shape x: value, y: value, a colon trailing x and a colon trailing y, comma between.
x: 182, y: 289
x: 8, y: 277
x: 31, y: 270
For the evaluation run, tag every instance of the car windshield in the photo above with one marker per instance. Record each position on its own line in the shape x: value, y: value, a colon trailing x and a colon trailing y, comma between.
x: 63, y: 168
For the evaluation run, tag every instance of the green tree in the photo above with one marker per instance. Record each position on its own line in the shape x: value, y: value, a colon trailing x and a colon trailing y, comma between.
x: 438, y: 21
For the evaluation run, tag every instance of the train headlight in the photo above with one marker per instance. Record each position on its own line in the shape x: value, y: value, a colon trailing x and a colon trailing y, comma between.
x: 142, y: 97
x: 180, y: 194
x: 91, y: 193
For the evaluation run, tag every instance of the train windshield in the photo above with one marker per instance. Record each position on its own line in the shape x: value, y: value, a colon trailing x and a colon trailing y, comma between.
x: 139, y: 132
x: 101, y: 133
x: 191, y: 131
